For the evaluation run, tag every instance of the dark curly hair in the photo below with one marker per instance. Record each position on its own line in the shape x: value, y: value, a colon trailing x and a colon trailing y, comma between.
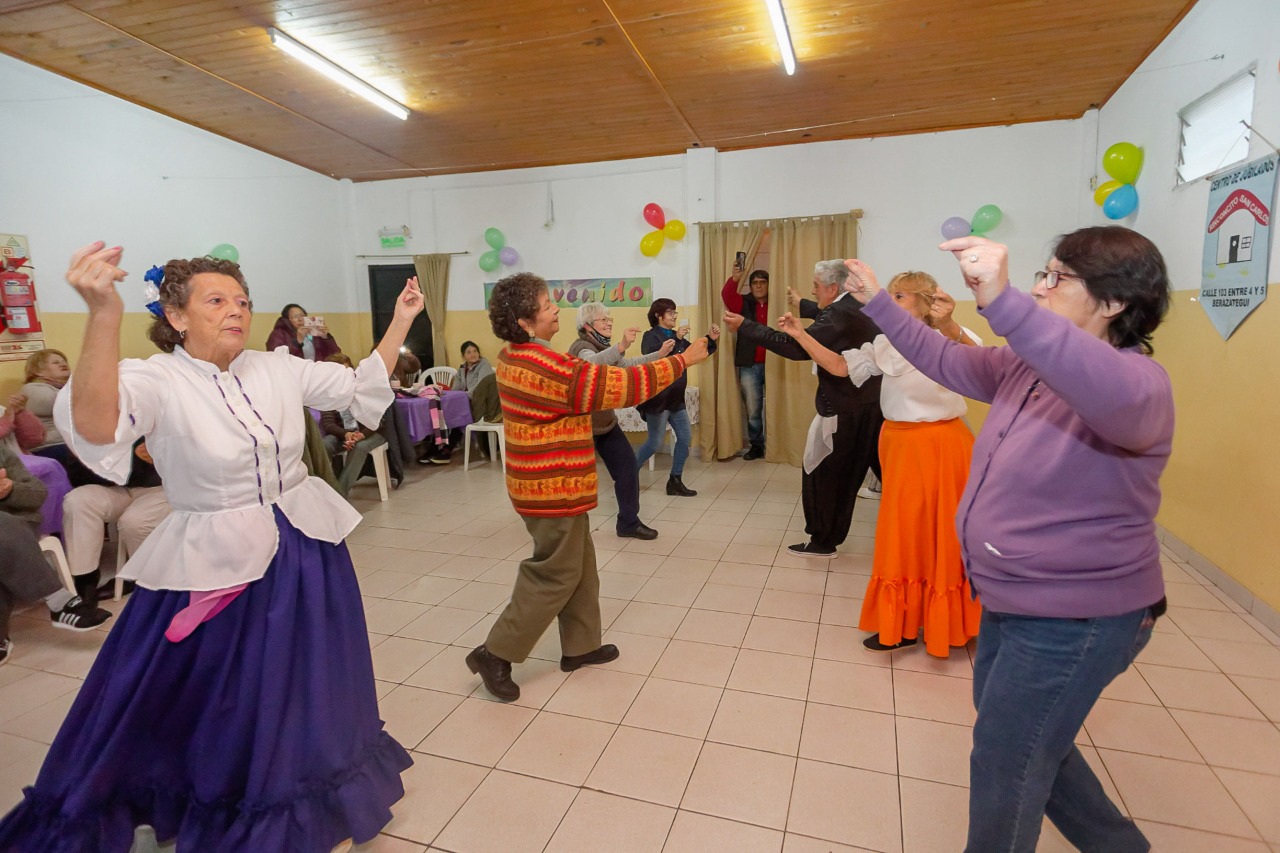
x: 175, y: 292
x: 1120, y: 265
x: 515, y: 298
x: 658, y: 308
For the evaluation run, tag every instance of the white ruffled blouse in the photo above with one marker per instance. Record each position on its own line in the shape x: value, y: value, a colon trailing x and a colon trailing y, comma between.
x: 229, y: 448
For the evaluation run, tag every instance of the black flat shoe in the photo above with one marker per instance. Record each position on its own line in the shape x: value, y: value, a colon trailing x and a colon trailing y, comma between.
x: 495, y: 672
x: 604, y: 654
x: 676, y: 487
x: 873, y: 644
x: 640, y: 531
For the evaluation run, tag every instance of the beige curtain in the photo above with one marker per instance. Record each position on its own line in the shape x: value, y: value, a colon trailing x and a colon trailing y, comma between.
x: 433, y: 278
x: 795, y: 246
x: 721, y: 426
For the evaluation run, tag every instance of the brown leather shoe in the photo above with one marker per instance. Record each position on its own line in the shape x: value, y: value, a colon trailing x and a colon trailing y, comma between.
x: 604, y: 654
x: 496, y: 673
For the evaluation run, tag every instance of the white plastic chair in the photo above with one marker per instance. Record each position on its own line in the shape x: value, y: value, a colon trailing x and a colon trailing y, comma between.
x: 380, y: 470
x: 441, y: 375
x: 52, y: 546
x: 497, y: 446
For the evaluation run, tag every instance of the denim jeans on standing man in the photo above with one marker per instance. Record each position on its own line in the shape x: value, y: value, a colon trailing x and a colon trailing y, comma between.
x: 751, y: 381
x: 1035, y: 680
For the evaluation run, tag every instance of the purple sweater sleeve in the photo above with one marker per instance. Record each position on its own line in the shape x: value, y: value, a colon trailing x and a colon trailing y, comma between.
x: 1121, y: 394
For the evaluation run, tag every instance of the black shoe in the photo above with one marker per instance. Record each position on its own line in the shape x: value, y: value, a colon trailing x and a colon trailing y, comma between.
x: 604, y: 654
x: 873, y: 644
x: 756, y: 452
x: 108, y: 592
x: 6, y: 649
x: 640, y: 531
x: 811, y: 549
x: 496, y: 673
x: 79, y: 615
x: 676, y: 487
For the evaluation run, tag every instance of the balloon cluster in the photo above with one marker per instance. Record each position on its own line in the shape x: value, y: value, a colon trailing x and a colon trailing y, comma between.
x: 986, y: 218
x: 651, y: 243
x: 225, y: 252
x: 499, y: 252
x: 1118, y: 197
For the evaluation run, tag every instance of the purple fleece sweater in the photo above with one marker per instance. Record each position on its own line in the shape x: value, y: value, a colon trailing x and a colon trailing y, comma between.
x: 1058, y: 517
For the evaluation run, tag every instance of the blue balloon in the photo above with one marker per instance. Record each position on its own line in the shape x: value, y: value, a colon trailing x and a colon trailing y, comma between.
x: 1122, y: 202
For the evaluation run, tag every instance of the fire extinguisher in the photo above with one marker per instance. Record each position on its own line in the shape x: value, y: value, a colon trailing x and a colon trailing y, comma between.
x: 18, y: 296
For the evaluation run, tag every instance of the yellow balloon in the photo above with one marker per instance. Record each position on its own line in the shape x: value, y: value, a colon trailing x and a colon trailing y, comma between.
x: 1104, y: 190
x: 651, y: 244
x: 674, y: 229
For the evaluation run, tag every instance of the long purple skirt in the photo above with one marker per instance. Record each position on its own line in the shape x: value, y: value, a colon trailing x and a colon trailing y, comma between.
x: 259, y: 732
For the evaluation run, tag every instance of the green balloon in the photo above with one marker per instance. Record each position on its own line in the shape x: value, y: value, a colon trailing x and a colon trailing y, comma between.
x: 987, y: 217
x: 494, y: 238
x: 225, y: 252
x: 489, y: 261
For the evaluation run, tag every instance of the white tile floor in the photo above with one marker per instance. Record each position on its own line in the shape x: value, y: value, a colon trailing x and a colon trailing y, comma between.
x: 744, y: 713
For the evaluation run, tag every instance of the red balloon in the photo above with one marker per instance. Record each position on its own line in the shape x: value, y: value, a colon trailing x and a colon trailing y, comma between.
x: 654, y: 216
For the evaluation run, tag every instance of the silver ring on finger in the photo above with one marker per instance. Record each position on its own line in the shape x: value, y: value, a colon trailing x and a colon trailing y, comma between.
x: 973, y: 259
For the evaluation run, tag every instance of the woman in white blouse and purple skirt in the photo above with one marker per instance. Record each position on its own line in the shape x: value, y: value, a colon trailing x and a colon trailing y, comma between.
x: 232, y: 707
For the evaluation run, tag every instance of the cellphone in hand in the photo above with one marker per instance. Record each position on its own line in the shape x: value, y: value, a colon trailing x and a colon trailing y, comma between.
x: 740, y: 263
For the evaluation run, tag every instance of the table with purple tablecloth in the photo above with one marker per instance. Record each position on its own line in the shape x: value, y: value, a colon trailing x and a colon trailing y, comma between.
x: 455, y: 405
x: 54, y: 476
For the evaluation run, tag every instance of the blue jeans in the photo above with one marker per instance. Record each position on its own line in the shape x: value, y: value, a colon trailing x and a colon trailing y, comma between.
x: 1034, y: 681
x: 657, y: 423
x: 751, y: 380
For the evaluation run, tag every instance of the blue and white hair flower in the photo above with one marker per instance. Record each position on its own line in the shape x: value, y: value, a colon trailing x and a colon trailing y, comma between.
x: 151, y: 293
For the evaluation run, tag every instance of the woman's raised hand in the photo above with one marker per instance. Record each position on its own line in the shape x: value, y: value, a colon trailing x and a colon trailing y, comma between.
x: 790, y: 324
x: 983, y: 263
x: 862, y: 282
x: 94, y: 272
x: 410, y: 301
x: 667, y: 346
x: 941, y: 308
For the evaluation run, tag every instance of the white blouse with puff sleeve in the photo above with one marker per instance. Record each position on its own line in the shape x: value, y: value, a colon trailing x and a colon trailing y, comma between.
x: 906, y: 394
x: 229, y: 448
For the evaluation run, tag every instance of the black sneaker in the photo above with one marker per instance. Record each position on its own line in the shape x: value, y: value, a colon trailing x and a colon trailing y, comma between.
x: 811, y: 549
x: 756, y: 452
x: 6, y: 648
x: 79, y: 615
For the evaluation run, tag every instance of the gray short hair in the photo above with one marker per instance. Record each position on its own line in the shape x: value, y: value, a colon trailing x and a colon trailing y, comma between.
x: 589, y: 312
x: 831, y: 272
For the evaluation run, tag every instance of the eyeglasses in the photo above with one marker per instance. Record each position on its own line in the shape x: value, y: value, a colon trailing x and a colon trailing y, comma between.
x: 604, y: 320
x: 672, y: 314
x: 1051, y: 278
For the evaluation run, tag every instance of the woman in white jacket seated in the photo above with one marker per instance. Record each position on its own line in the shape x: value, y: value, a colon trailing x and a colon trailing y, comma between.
x: 233, y: 705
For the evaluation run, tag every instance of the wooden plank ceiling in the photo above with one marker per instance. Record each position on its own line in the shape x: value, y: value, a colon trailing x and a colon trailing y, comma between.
x: 497, y: 85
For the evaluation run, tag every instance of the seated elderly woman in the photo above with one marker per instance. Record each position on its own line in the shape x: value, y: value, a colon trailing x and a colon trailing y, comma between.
x: 25, y: 575
x: 312, y: 342
x: 46, y: 372
x: 595, y: 344
x: 1057, y: 523
x: 343, y: 434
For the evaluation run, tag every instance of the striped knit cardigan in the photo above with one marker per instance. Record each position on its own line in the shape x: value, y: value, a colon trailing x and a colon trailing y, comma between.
x: 547, y: 398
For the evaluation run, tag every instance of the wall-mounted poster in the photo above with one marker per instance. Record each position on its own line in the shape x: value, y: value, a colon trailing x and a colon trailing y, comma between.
x: 20, y: 332
x: 1237, y: 243
x: 611, y: 292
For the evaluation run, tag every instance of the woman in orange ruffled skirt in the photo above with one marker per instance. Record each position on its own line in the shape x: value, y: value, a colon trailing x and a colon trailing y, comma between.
x: 918, y: 580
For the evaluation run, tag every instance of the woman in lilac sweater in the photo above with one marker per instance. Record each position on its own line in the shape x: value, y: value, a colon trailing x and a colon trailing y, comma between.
x: 1057, y: 523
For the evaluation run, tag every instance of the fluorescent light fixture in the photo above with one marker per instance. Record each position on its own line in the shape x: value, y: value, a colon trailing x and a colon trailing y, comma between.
x: 779, y: 19
x: 343, y: 78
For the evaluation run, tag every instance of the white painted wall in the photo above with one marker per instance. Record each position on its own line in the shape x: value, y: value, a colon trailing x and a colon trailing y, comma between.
x: 906, y: 185
x: 79, y: 165
x: 1145, y: 112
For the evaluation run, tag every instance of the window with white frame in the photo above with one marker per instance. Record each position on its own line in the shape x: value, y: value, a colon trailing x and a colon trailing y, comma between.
x: 1215, y: 128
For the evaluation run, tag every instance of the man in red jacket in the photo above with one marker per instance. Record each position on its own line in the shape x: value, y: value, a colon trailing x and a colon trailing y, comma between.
x: 748, y: 358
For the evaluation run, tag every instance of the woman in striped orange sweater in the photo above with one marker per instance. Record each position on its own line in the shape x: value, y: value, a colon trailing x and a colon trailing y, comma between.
x: 547, y: 400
